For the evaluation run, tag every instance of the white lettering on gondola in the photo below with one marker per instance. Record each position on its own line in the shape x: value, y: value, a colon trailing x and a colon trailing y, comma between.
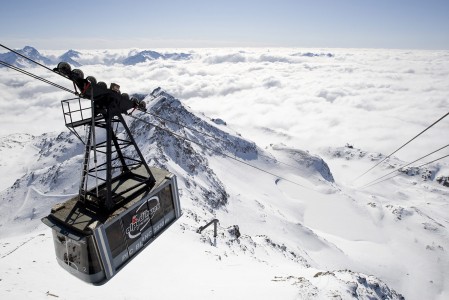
x: 142, y: 218
x: 145, y: 238
x: 125, y: 257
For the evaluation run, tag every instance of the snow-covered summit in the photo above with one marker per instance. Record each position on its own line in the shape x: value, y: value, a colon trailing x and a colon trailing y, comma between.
x: 28, y: 51
x: 149, y: 55
x: 71, y: 57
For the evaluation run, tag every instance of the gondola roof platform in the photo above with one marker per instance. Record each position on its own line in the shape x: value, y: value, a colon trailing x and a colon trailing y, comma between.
x: 85, y: 217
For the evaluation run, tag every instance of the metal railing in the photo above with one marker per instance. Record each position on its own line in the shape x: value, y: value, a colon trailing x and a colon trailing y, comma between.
x: 76, y: 110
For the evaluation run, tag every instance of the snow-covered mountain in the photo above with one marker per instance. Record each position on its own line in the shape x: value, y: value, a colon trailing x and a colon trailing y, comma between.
x: 77, y: 58
x: 28, y: 51
x: 70, y: 57
x: 308, y: 237
x: 147, y: 55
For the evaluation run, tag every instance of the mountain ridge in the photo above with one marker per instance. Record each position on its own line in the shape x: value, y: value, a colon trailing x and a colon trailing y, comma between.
x: 73, y: 57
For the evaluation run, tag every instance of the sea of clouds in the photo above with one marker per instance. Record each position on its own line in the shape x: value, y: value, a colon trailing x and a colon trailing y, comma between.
x: 375, y: 99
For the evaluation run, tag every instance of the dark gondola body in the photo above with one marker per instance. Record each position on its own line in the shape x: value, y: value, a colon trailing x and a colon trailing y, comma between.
x: 94, y: 245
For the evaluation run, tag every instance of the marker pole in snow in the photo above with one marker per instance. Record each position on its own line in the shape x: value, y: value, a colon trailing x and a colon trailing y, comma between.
x: 215, y: 222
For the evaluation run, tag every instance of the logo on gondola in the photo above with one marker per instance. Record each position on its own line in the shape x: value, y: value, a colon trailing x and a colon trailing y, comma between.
x: 142, y: 217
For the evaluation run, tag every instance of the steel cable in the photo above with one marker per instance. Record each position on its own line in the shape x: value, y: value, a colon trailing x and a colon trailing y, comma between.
x: 27, y: 58
x: 219, y: 152
x: 399, y: 169
x: 427, y: 163
x: 211, y: 136
x: 389, y: 155
x: 36, y: 77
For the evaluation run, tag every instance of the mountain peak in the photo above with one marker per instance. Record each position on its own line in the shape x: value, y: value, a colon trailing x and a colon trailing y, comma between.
x: 149, y: 55
x: 29, y: 50
x: 69, y: 57
x: 72, y: 53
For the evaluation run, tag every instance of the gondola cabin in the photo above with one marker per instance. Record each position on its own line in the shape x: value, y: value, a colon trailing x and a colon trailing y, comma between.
x: 94, y: 245
x: 123, y: 204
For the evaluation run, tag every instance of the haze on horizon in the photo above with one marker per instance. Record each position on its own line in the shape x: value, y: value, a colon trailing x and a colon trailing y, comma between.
x: 116, y: 24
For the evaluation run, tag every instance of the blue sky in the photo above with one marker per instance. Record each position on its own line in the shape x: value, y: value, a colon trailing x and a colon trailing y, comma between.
x: 153, y: 24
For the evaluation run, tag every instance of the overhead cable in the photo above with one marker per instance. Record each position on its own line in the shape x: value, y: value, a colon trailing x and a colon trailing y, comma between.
x: 389, y: 155
x: 219, y: 152
x: 211, y: 136
x: 27, y: 58
x: 427, y: 163
x: 399, y: 169
x: 36, y: 77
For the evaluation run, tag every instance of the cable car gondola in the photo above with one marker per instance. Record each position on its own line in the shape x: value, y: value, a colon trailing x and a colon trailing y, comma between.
x: 123, y: 204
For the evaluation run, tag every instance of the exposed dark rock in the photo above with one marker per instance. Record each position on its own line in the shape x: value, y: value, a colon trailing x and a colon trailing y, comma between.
x: 443, y: 180
x: 234, y: 231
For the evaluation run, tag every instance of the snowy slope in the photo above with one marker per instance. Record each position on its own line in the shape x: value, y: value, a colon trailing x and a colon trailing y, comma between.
x: 51, y: 166
x: 15, y: 153
x: 318, y: 237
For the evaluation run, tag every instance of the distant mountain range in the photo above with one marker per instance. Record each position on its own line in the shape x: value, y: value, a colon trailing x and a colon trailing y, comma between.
x: 133, y: 57
x: 18, y: 61
x: 73, y: 57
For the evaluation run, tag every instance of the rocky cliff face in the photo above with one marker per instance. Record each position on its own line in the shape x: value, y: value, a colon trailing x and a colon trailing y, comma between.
x: 181, y: 151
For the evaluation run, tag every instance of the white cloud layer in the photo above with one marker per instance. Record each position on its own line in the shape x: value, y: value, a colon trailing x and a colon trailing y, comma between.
x: 375, y: 99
